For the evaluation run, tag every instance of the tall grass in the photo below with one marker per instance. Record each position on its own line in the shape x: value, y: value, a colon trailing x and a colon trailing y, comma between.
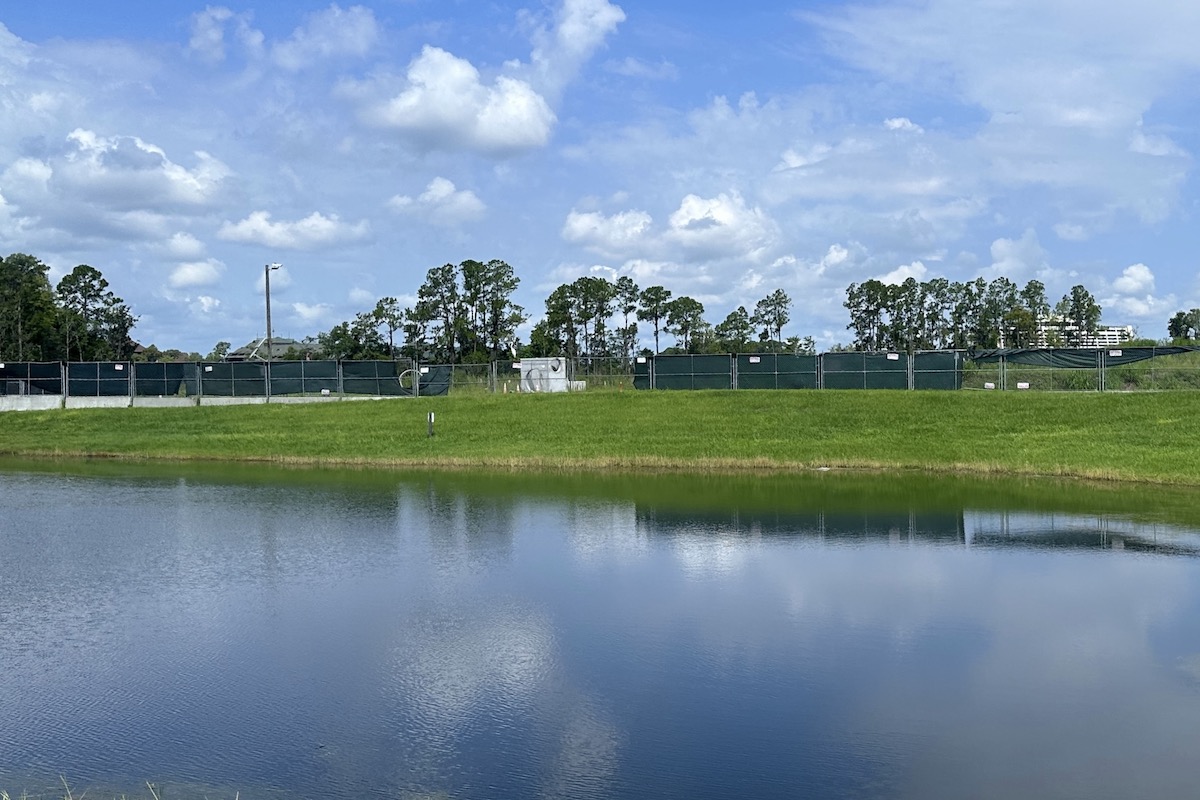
x: 1143, y: 437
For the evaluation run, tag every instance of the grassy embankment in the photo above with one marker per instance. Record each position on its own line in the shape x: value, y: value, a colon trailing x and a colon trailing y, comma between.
x: 1142, y: 437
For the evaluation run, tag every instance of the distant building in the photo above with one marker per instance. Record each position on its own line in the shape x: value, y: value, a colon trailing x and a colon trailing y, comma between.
x: 280, y: 347
x: 1057, y: 332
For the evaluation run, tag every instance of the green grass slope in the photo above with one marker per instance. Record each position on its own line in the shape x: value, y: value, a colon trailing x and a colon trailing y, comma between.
x: 1142, y: 437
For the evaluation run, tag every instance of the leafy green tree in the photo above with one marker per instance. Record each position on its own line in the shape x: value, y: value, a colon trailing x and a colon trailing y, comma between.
x: 652, y: 308
x: 389, y: 314
x: 27, y: 310
x: 501, y: 315
x: 627, y: 304
x: 867, y: 303
x: 443, y: 300
x: 736, y: 331
x: 219, y: 351
x: 685, y: 315
x: 1081, y: 313
x: 773, y: 312
x: 797, y: 346
x: 94, y: 321
x: 354, y: 340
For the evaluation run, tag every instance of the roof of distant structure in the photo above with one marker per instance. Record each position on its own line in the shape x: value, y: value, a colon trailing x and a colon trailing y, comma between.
x: 257, y: 349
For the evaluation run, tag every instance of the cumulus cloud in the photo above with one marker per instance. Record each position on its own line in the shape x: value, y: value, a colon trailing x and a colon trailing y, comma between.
x: 207, y: 41
x: 580, y: 28
x: 616, y: 234
x: 314, y: 231
x: 205, y: 304
x: 196, y: 273
x: 184, y: 245
x: 1132, y: 297
x: 442, y: 203
x: 902, y: 124
x: 312, y: 313
x: 360, y: 296
x: 332, y: 33
x: 1134, y: 280
x: 1018, y: 259
x: 900, y: 274
x: 122, y: 173
x: 448, y: 105
x: 721, y: 227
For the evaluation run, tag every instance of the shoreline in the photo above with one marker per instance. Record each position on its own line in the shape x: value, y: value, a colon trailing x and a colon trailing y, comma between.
x: 1135, y: 439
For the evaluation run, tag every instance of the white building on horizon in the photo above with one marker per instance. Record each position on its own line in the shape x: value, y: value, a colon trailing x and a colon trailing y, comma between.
x: 1057, y: 329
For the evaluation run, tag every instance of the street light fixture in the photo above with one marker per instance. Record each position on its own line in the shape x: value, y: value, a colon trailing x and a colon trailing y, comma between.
x: 267, y: 283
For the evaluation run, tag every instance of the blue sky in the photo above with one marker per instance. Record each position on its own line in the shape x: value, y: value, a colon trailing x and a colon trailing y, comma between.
x: 722, y: 151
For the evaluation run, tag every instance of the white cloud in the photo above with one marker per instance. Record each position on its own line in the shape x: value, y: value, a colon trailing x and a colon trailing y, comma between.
x: 184, y: 245
x: 442, y: 203
x: 207, y: 41
x: 205, y: 304
x: 312, y: 313
x: 315, y: 230
x: 631, y: 67
x: 902, y: 124
x: 580, y: 28
x: 1071, y: 232
x: 361, y: 297
x: 721, y: 227
x: 447, y: 105
x: 620, y: 233
x: 196, y: 273
x: 334, y: 32
x: 900, y: 274
x: 117, y: 173
x: 1135, y: 279
x: 1017, y: 259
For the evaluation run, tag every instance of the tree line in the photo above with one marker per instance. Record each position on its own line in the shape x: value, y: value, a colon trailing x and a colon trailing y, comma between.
x: 939, y: 314
x: 80, y: 319
x: 465, y: 313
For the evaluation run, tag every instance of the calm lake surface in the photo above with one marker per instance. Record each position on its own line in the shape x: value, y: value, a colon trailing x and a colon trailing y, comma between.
x: 321, y: 634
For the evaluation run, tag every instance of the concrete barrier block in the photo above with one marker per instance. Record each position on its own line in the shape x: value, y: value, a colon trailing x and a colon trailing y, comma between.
x: 165, y: 402
x: 97, y: 402
x: 232, y: 401
x: 31, y: 402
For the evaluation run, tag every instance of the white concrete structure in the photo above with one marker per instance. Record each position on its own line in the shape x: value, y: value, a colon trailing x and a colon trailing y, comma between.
x: 543, y: 374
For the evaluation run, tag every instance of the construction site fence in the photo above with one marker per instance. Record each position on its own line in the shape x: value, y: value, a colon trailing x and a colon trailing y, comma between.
x: 224, y: 379
x: 1054, y: 369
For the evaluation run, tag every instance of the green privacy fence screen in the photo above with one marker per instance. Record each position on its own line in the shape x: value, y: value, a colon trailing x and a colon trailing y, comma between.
x: 25, y: 378
x: 224, y: 379
x: 776, y: 371
x: 934, y: 370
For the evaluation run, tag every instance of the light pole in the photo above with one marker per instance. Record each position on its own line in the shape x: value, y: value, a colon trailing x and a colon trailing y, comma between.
x: 267, y: 283
x: 267, y: 286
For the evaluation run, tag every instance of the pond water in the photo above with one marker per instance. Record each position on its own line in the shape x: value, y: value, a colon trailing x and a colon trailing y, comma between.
x: 269, y: 633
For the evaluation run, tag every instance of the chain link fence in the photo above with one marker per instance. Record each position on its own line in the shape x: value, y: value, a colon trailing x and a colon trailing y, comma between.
x: 1062, y: 369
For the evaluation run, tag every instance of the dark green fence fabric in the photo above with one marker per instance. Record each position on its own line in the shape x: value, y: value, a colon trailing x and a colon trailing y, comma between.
x: 435, y: 381
x: 693, y: 372
x: 31, y: 377
x: 234, y: 379
x: 98, y: 379
x: 303, y: 377
x: 166, y: 379
x: 378, y: 378
x: 864, y: 370
x: 776, y: 371
x: 1077, y: 357
x: 939, y: 370
x: 641, y: 372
